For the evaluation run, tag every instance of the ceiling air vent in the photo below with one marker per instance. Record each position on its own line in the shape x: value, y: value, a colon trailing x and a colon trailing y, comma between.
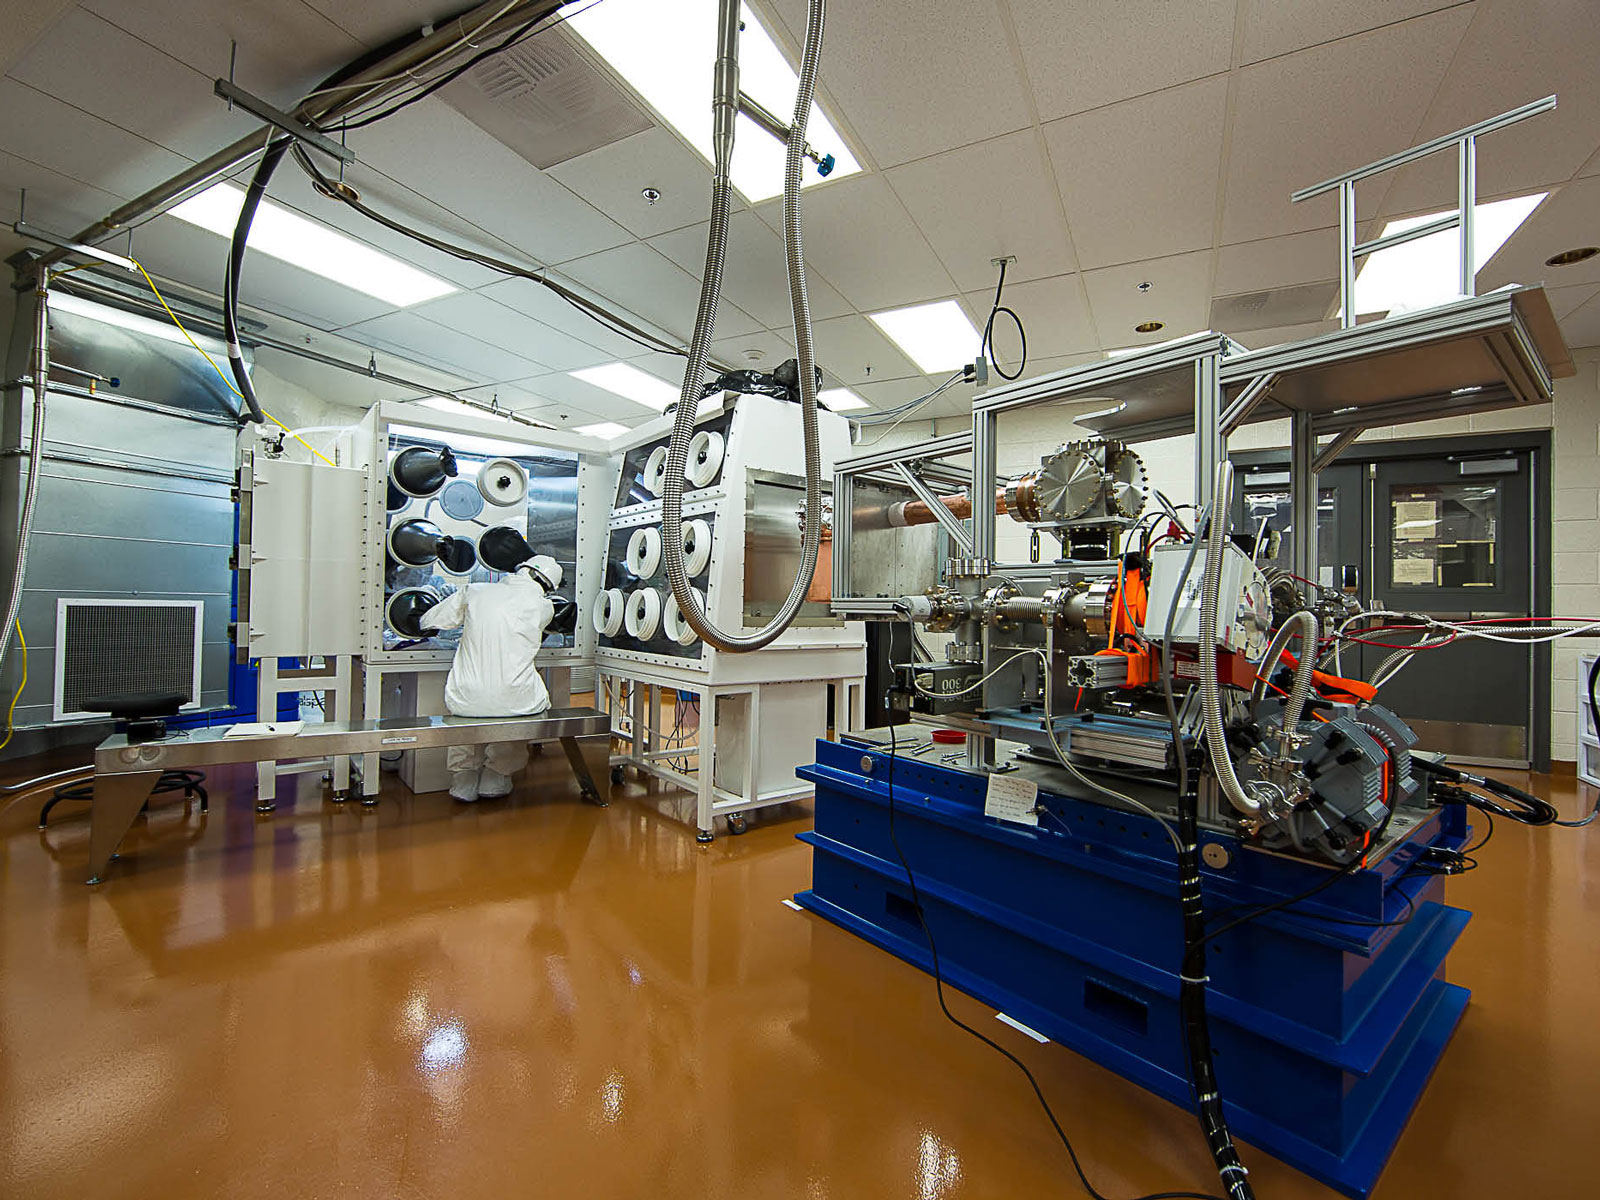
x: 547, y: 100
x: 1274, y: 309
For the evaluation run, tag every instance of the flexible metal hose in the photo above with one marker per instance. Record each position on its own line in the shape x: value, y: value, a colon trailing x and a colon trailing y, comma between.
x: 41, y: 384
x: 1210, y: 689
x: 725, y: 109
x: 1306, y: 624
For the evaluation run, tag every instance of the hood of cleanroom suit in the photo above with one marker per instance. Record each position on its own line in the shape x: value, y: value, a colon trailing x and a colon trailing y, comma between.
x: 502, y: 624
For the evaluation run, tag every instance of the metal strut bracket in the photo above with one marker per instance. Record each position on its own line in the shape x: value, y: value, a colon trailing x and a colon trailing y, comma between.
x: 947, y: 519
x: 255, y: 106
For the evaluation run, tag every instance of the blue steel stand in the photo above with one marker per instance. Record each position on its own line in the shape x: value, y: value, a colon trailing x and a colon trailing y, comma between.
x: 1325, y: 1033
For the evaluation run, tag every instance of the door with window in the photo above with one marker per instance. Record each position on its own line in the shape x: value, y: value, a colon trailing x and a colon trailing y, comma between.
x: 1447, y: 529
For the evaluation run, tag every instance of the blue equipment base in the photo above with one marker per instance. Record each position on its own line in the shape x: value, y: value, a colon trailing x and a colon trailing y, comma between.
x: 1325, y: 1032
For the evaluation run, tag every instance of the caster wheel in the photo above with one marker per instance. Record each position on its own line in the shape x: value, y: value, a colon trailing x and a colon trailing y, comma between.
x: 340, y: 797
x: 369, y: 802
x: 618, y: 774
x: 705, y: 837
x: 595, y: 799
x: 263, y: 809
x: 737, y: 824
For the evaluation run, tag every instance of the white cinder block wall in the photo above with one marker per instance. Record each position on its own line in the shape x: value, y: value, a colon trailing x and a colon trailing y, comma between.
x: 1574, y: 419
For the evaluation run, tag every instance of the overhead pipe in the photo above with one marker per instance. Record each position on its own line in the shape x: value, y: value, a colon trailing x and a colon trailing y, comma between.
x: 378, y: 79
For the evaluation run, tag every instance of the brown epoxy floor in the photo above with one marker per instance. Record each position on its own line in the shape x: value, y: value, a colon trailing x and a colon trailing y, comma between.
x: 536, y: 998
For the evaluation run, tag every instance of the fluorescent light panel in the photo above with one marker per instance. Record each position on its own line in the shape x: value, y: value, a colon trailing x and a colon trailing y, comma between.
x: 666, y: 52
x: 313, y: 247
x: 840, y: 400
x: 1426, y: 272
x: 630, y: 383
x: 602, y: 429
x: 937, y: 336
x: 132, y: 322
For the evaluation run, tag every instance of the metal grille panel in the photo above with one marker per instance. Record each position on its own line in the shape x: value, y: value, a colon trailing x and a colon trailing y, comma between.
x: 108, y: 649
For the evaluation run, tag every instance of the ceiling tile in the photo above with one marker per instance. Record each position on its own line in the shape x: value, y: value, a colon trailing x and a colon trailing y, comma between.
x: 527, y: 397
x: 377, y: 21
x: 24, y: 23
x: 95, y: 66
x: 433, y: 149
x: 55, y: 201
x: 1273, y: 29
x: 284, y: 49
x: 1516, y: 51
x: 851, y: 351
x: 1565, y: 220
x: 1582, y: 326
x: 53, y: 134
x: 1564, y: 301
x: 1052, y: 311
x: 613, y: 177
x: 1082, y: 54
x: 1303, y: 117
x: 646, y: 282
x: 336, y: 386
x: 478, y: 315
x: 414, y: 336
x: 1259, y: 339
x: 912, y: 80
x: 549, y: 309
x: 576, y: 395
x: 1277, y: 262
x: 754, y: 275
x: 860, y: 238
x: 986, y: 200
x: 1179, y: 296
x: 1159, y: 200
x: 773, y: 349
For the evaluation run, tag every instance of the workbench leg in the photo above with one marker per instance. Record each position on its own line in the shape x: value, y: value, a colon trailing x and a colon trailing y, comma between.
x: 266, y: 710
x: 343, y: 703
x: 590, y: 759
x: 371, y: 710
x: 705, y: 828
x: 117, y: 801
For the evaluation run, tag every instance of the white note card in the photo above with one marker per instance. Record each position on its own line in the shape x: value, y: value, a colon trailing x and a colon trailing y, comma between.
x: 1012, y: 798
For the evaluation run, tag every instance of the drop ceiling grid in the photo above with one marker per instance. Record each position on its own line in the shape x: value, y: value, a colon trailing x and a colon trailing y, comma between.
x: 1428, y: 63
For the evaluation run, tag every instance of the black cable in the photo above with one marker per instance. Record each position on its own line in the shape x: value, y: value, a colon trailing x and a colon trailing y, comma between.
x: 987, y: 349
x: 639, y: 337
x: 190, y: 783
x: 938, y: 983
x: 1594, y: 715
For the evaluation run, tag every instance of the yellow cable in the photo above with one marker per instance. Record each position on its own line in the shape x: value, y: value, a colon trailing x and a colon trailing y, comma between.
x: 11, y: 713
x: 218, y: 369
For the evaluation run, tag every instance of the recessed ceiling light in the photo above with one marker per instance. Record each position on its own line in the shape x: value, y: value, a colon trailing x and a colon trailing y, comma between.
x: 313, y: 247
x: 840, y: 400
x: 1426, y: 272
x: 1567, y: 257
x: 937, y: 336
x: 630, y: 383
x: 667, y: 51
x: 602, y: 429
x: 1149, y: 326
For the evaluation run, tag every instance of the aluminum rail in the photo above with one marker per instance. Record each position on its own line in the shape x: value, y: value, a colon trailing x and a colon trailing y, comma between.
x: 380, y: 79
x: 1444, y: 141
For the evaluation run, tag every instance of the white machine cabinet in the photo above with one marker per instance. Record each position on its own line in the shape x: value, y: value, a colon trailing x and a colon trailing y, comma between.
x: 754, y: 716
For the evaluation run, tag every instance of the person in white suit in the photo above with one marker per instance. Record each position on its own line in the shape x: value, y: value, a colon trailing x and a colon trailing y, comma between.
x: 502, y: 625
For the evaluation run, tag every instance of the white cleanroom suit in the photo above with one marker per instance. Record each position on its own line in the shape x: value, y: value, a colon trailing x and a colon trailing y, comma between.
x: 493, y: 674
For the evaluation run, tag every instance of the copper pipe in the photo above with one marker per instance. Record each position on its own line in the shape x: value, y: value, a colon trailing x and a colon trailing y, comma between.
x: 916, y: 512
